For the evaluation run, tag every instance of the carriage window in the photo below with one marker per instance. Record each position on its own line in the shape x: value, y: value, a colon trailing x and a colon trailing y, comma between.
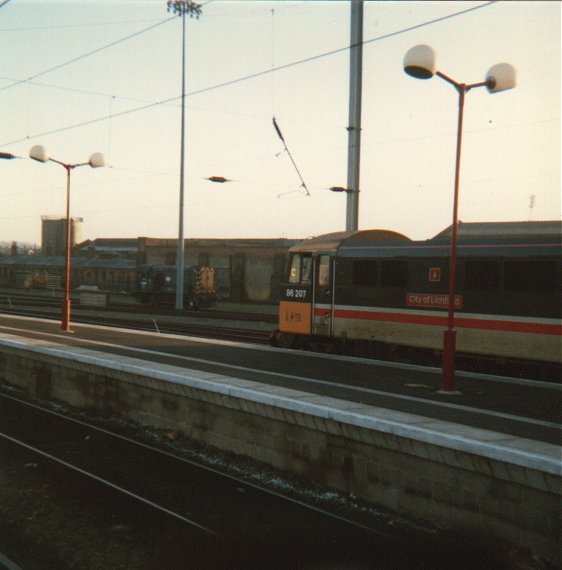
x: 365, y: 272
x: 324, y: 270
x: 481, y: 274
x: 394, y: 273
x: 530, y: 276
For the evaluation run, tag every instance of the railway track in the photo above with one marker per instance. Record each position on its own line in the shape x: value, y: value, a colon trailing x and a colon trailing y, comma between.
x: 22, y: 301
x: 149, y: 506
x: 195, y: 323
x: 222, y: 332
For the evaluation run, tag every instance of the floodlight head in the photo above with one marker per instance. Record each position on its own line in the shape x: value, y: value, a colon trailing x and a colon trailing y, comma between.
x: 420, y: 62
x: 39, y: 153
x: 501, y: 77
x: 97, y: 160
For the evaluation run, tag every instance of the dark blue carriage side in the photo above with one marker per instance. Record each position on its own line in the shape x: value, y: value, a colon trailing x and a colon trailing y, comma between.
x: 515, y: 274
x: 386, y: 295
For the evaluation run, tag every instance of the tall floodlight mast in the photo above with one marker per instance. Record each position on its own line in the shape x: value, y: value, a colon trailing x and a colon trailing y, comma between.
x: 182, y: 8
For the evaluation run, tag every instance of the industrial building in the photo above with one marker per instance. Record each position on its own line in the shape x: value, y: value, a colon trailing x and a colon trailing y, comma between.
x: 247, y: 269
x: 53, y: 234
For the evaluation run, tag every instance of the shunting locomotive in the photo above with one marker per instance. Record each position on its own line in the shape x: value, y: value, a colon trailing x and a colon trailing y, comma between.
x: 156, y: 285
x: 379, y: 290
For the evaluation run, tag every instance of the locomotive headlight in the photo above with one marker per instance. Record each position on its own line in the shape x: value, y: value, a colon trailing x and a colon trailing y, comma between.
x: 168, y: 279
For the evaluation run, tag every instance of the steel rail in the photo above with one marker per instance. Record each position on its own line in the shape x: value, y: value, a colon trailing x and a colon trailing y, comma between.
x: 105, y: 482
x: 178, y: 458
x: 219, y: 332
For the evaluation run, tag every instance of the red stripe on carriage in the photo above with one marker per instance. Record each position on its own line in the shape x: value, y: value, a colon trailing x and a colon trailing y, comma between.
x: 460, y: 322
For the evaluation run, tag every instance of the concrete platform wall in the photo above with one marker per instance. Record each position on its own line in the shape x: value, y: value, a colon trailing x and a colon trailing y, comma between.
x: 485, y: 483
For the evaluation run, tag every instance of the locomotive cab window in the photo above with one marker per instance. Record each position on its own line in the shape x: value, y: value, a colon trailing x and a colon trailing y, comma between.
x: 324, y: 271
x: 295, y: 269
x: 300, y: 270
x: 306, y: 269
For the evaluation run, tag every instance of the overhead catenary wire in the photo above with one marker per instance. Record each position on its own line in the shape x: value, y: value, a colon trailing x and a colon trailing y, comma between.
x: 80, y: 25
x: 230, y: 82
x: 88, y: 54
x: 30, y: 82
x: 264, y: 72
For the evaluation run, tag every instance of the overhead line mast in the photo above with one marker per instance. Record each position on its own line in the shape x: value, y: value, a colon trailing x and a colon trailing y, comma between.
x: 354, y: 126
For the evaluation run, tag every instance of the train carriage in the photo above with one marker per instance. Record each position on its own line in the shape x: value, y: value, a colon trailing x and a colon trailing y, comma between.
x: 381, y: 288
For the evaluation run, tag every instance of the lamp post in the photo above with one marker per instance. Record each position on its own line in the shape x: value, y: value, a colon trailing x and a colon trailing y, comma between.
x: 420, y: 62
x: 97, y: 160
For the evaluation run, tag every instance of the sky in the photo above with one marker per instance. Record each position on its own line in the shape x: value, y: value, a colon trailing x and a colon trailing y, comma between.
x: 85, y: 76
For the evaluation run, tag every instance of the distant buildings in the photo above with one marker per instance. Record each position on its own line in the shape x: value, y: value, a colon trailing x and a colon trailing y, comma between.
x: 246, y: 269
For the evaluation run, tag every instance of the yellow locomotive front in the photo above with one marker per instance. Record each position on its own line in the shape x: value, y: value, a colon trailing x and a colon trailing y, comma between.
x: 305, y: 301
x: 295, y: 303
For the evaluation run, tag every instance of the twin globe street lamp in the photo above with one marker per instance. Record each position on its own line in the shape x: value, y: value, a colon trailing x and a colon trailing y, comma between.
x: 97, y: 160
x: 420, y: 62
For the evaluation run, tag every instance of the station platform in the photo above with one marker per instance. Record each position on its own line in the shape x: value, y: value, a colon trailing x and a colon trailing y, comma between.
x: 487, y: 458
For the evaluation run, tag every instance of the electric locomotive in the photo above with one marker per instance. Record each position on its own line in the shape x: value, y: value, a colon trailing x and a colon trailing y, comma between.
x: 380, y: 290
